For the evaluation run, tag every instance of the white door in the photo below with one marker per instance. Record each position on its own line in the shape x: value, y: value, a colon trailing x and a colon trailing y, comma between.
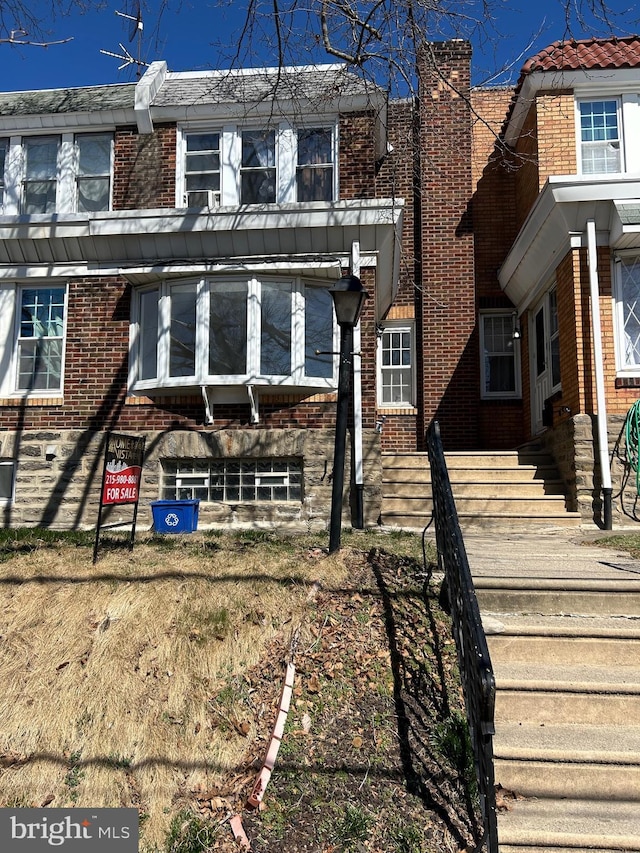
x: 545, y: 357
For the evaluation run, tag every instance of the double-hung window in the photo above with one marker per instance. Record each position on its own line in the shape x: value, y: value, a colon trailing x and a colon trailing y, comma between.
x: 40, y: 177
x: 63, y: 173
x: 274, y: 164
x: 396, y: 366
x: 314, y: 173
x: 202, y: 169
x: 600, y: 136
x: 40, y: 339
x: 499, y: 362
x: 258, y: 167
x: 232, y: 331
x: 93, y: 171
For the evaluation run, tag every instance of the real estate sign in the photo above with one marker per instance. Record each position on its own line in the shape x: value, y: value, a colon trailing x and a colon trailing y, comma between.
x: 122, y: 469
x: 123, y: 460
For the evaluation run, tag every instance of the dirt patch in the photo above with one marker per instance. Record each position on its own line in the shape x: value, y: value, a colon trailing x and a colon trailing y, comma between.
x: 154, y: 679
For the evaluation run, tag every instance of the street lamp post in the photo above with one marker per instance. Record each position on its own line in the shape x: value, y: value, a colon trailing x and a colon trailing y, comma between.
x: 348, y: 298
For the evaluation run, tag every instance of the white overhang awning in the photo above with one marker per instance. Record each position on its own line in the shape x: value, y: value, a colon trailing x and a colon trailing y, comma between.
x: 557, y: 222
x: 300, y: 236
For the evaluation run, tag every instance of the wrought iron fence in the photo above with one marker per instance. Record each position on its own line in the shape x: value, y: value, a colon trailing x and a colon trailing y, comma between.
x: 478, y: 682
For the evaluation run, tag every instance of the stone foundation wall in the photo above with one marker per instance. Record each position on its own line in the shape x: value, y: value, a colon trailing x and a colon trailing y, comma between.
x: 59, y: 475
x: 574, y: 447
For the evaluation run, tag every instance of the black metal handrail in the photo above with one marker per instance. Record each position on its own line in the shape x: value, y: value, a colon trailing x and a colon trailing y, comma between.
x: 478, y: 682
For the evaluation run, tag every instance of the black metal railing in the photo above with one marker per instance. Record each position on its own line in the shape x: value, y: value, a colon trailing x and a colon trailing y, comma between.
x: 478, y: 682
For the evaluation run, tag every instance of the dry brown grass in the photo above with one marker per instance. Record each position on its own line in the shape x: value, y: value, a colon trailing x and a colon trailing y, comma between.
x: 123, y: 682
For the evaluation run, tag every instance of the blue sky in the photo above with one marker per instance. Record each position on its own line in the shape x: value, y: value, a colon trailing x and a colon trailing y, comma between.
x: 193, y: 35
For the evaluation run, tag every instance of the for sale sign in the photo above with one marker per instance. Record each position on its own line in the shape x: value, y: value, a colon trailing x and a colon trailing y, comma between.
x: 122, y: 469
x: 123, y: 458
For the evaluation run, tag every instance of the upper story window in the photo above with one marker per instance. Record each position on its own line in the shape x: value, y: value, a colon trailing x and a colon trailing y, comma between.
x: 226, y: 331
x: 268, y: 165
x: 396, y: 366
x: 65, y: 173
x: 314, y: 175
x: 258, y: 168
x: 600, y: 136
x: 500, y: 357
x: 40, y: 176
x: 93, y: 171
x: 202, y: 169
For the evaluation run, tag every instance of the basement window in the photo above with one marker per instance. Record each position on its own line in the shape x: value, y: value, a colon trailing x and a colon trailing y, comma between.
x: 7, y: 471
x: 232, y: 480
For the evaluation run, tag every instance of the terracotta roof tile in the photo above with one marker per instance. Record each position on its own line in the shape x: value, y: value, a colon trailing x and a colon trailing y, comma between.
x: 585, y: 54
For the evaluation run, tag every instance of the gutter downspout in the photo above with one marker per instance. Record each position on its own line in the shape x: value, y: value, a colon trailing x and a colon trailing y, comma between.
x: 603, y: 435
x: 358, y: 474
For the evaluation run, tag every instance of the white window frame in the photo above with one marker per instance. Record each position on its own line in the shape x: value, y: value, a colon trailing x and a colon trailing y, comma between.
x: 623, y: 368
x: 485, y: 394
x: 581, y: 146
x: 390, y: 327
x: 66, y: 172
x: 286, y: 151
x: 10, y: 303
x: 205, y: 290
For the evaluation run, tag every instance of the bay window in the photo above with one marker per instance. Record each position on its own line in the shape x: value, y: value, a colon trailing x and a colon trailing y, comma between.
x: 232, y: 331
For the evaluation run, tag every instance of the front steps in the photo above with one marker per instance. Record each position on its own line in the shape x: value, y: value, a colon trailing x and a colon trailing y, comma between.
x: 511, y: 490
x: 565, y: 651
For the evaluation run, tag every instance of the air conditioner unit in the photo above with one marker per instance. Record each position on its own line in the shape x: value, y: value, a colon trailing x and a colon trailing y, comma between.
x: 203, y: 198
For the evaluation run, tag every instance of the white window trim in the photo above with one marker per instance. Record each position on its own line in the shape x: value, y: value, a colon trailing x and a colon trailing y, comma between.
x: 297, y: 377
x: 622, y: 369
x: 66, y: 172
x: 231, y: 157
x: 621, y: 131
x: 9, y: 331
x: 516, y: 394
x: 397, y: 326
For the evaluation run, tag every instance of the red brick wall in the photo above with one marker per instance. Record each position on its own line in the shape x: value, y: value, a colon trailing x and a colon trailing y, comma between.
x: 144, y: 169
x: 450, y: 381
x: 357, y: 156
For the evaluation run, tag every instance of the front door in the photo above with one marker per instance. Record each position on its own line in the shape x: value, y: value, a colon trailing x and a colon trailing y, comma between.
x: 545, y: 357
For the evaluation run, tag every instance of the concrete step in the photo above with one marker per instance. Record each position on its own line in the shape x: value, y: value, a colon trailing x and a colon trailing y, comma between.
x: 487, y: 504
x: 504, y: 522
x: 572, y: 646
x: 514, y: 473
x: 537, y: 825
x: 493, y: 490
x: 561, y: 596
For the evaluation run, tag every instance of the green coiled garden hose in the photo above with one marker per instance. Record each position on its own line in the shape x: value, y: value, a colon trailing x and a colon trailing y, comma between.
x: 632, y: 440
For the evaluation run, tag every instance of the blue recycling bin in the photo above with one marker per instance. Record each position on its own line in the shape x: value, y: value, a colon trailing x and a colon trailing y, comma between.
x: 175, y: 516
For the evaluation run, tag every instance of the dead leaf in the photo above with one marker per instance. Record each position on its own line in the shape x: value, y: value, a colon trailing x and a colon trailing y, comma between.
x: 313, y: 685
x: 357, y: 742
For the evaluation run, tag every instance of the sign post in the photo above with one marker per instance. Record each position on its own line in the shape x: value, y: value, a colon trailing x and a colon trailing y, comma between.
x: 121, y: 475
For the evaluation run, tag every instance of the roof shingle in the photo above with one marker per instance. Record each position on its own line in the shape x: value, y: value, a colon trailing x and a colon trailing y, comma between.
x: 586, y: 54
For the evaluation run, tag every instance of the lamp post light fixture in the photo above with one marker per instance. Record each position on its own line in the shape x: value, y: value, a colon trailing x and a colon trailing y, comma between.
x: 348, y: 299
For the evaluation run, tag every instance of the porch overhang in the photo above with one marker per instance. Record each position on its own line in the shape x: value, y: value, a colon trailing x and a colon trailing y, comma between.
x: 558, y: 221
x: 293, y: 236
